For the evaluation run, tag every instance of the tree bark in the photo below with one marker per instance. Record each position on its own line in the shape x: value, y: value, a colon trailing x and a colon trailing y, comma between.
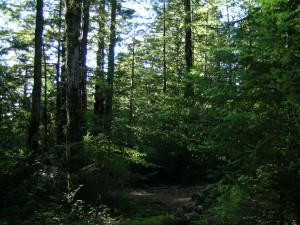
x: 45, y: 103
x: 189, y: 89
x: 111, y: 70
x: 99, y: 107
x: 83, y: 53
x: 33, y: 133
x: 75, y: 117
x: 61, y: 114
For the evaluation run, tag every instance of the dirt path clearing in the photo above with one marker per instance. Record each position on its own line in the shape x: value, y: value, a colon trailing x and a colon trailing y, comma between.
x: 167, y: 199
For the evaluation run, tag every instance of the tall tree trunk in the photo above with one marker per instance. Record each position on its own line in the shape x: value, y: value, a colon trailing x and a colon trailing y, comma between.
x: 205, y: 72
x: 111, y: 69
x: 74, y: 104
x: 99, y: 107
x: 61, y: 114
x: 189, y: 89
x: 83, y: 52
x: 45, y: 102
x: 178, y: 46
x: 32, y: 141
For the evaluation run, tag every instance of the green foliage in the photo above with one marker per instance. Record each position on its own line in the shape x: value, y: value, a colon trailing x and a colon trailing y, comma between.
x: 235, y: 207
x: 257, y: 144
x: 241, y: 126
x: 107, y: 165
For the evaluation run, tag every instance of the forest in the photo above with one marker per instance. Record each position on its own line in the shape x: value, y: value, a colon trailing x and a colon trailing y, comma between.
x: 150, y: 112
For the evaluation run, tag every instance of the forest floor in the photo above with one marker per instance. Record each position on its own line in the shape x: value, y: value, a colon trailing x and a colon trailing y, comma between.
x: 163, y: 199
x: 158, y: 205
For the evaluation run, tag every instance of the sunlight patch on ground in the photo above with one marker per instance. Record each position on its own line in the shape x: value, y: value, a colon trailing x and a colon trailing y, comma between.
x: 140, y: 193
x: 181, y: 200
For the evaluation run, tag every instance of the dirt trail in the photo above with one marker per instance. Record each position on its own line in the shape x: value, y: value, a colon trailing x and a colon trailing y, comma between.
x: 167, y: 199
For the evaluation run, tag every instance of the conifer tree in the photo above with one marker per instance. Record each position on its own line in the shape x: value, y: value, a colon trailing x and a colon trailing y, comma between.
x: 111, y: 70
x: 100, y: 87
x: 75, y: 114
x: 33, y: 134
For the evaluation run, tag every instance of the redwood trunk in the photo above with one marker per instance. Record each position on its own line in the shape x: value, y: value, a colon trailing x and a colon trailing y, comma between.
x: 61, y: 114
x: 75, y: 123
x: 33, y: 134
x: 111, y: 70
x: 99, y: 107
x: 189, y: 89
